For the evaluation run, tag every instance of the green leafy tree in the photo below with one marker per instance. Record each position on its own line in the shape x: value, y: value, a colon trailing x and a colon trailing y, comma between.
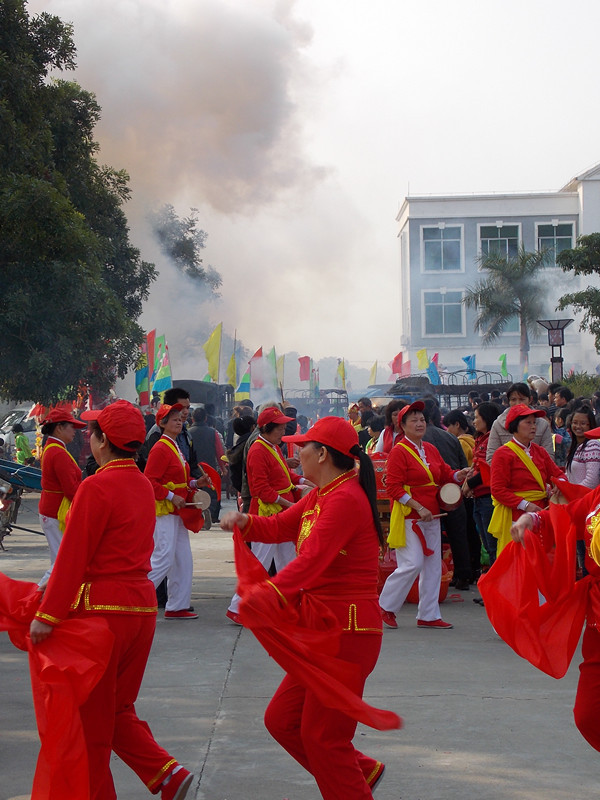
x: 583, y: 260
x: 72, y: 284
x: 511, y: 287
x: 183, y: 241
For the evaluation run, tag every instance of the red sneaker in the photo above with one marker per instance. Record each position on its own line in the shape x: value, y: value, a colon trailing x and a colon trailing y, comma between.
x: 389, y: 618
x: 376, y: 776
x: 177, y: 785
x: 235, y: 618
x: 434, y: 623
x: 182, y: 614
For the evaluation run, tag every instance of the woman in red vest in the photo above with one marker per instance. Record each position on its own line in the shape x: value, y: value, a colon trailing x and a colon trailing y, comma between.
x: 102, y: 569
x: 337, y: 535
x: 521, y: 474
x: 169, y: 473
x: 61, y: 476
x: 415, y: 471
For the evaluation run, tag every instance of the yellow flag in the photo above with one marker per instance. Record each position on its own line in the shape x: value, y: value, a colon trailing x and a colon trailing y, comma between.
x: 280, y: 366
x: 231, y: 375
x: 341, y: 371
x: 212, y: 348
x: 373, y: 374
x: 422, y: 359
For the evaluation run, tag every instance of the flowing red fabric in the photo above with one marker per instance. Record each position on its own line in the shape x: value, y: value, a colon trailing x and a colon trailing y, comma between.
x: 64, y: 669
x: 213, y: 475
x: 544, y: 633
x: 303, y: 642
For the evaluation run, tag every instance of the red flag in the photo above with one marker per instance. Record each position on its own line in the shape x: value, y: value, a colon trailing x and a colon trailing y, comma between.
x: 304, y: 368
x: 256, y: 370
x: 396, y: 365
x: 434, y: 359
x: 150, y: 340
x: 406, y: 368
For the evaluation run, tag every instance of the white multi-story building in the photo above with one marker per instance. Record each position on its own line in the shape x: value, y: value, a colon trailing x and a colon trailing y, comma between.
x: 442, y: 238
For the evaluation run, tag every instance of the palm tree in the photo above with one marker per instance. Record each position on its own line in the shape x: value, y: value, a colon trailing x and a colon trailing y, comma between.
x: 512, y: 287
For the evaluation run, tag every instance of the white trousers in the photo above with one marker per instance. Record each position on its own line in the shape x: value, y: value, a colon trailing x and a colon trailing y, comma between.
x: 412, y: 562
x: 281, y: 553
x: 53, y: 536
x: 172, y: 558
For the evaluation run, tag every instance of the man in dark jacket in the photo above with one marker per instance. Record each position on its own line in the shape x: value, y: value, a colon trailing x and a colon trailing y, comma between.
x: 455, y: 524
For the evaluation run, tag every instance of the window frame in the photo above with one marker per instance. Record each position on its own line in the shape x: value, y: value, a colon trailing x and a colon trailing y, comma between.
x: 480, y: 225
x: 442, y: 226
x: 571, y: 222
x: 463, y: 316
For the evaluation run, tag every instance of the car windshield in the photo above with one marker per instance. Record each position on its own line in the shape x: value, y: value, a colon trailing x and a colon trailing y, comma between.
x: 16, y: 415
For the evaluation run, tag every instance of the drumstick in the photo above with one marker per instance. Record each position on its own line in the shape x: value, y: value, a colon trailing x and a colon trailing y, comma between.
x: 437, y: 516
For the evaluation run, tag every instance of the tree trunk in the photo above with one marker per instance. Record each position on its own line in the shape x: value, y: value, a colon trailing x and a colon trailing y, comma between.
x: 523, y: 347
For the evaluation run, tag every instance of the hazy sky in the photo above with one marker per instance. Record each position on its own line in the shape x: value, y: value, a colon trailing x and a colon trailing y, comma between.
x: 297, y: 127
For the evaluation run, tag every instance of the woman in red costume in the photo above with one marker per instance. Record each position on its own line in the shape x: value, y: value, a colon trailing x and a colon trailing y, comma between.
x: 101, y: 569
x: 169, y: 473
x: 393, y: 429
x: 415, y: 471
x: 521, y: 474
x: 337, y: 534
x: 585, y: 515
x: 61, y: 476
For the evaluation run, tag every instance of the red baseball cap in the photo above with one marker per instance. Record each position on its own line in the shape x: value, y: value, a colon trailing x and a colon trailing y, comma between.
x: 594, y: 433
x: 122, y: 422
x: 272, y: 414
x: 62, y: 415
x: 165, y: 410
x: 521, y: 410
x: 418, y: 405
x: 333, y: 431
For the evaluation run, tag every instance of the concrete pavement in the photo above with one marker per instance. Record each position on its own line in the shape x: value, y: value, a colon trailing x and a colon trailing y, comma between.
x: 478, y: 721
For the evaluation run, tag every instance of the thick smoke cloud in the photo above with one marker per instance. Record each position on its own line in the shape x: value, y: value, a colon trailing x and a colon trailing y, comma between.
x: 209, y: 104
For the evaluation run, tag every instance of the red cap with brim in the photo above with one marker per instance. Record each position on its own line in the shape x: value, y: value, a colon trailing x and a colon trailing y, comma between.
x: 273, y: 415
x: 418, y: 405
x: 593, y: 434
x: 333, y: 431
x: 165, y: 410
x: 123, y: 424
x: 521, y: 410
x: 62, y: 415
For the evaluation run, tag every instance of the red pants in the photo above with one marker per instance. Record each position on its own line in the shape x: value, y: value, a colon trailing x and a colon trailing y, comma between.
x: 108, y: 716
x: 587, y: 701
x: 321, y: 739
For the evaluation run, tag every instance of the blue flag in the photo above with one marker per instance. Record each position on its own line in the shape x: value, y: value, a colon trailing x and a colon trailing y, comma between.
x: 434, y: 375
x: 470, y: 362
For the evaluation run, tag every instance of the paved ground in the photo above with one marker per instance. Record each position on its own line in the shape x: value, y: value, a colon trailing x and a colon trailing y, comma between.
x: 479, y: 722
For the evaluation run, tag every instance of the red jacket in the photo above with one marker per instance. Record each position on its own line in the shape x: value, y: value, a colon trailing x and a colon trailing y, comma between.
x: 403, y: 469
x: 266, y: 478
x: 510, y: 475
x: 338, y: 551
x: 104, y: 557
x: 165, y: 465
x: 61, y: 477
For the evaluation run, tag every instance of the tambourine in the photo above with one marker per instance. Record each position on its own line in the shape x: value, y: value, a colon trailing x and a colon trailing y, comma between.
x: 449, y: 496
x: 201, y: 500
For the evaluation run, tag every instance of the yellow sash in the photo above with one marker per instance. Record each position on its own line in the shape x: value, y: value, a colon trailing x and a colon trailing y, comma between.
x: 397, y: 534
x: 164, y: 507
x: 501, y: 521
x: 593, y: 526
x: 65, y: 504
x: 269, y: 509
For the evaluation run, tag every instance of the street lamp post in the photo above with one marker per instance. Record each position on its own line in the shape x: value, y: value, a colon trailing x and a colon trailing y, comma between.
x: 556, y: 339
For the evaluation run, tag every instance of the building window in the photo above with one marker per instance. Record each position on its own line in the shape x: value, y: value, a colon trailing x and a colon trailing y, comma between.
x: 443, y: 313
x: 555, y: 239
x: 442, y: 248
x: 499, y: 240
